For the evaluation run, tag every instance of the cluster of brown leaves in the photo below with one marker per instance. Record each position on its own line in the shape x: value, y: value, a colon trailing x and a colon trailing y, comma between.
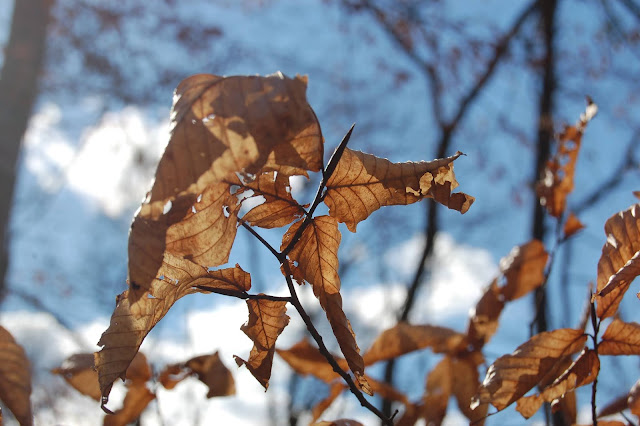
x: 232, y: 139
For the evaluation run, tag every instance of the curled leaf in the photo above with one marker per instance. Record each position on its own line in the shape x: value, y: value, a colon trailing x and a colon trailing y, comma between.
x: 135, y: 402
x: 208, y: 368
x: 15, y: 378
x: 620, y: 338
x: 511, y: 376
x: 404, y: 338
x: 267, y: 319
x: 316, y: 255
x: 557, y: 180
x: 619, y: 263
x: 79, y: 372
x: 582, y: 372
x: 362, y: 183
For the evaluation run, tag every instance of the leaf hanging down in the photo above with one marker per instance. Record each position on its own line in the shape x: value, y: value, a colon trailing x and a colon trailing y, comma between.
x: 267, y: 319
x: 208, y: 368
x: 404, y: 338
x: 362, y: 183
x: 334, y: 392
x: 135, y: 316
x: 438, y: 390
x: 511, y: 376
x: 572, y: 226
x: 483, y: 320
x: 620, y: 338
x: 78, y: 371
x: 582, y: 372
x: 279, y: 207
x: 227, y: 125
x: 523, y: 269
x: 557, y: 179
x: 619, y: 263
x: 15, y: 378
x: 316, y: 254
x: 135, y: 402
x: 464, y: 386
x: 306, y: 359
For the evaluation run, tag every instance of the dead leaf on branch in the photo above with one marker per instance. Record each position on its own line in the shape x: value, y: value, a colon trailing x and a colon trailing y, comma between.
x: 78, y: 371
x: 557, y: 180
x: 334, y: 392
x: 135, y: 402
x: 620, y: 338
x: 316, y: 257
x: 15, y: 378
x: 306, y: 359
x: 619, y: 263
x: 208, y: 368
x: 572, y: 226
x: 464, y: 386
x: 438, y: 390
x: 582, y: 372
x: 483, y: 320
x: 133, y: 318
x: 362, y: 183
x: 511, y: 376
x: 523, y: 269
x: 267, y: 319
x: 404, y: 338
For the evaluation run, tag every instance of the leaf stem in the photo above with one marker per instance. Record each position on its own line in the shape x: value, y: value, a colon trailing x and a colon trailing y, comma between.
x: 243, y: 294
x: 325, y: 352
x: 262, y: 240
x: 595, y: 323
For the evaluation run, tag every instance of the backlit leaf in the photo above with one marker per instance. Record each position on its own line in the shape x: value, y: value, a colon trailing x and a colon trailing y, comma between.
x: 511, y: 376
x: 572, y: 226
x: 316, y: 255
x: 404, y: 338
x: 634, y: 399
x: 483, y: 320
x: 79, y: 372
x: 306, y: 359
x: 135, y: 316
x: 334, y: 392
x: 208, y: 368
x: 438, y: 390
x: 15, y: 378
x: 615, y: 406
x: 557, y: 180
x: 620, y: 338
x: 582, y: 372
x: 267, y: 319
x: 523, y: 269
x: 619, y: 263
x: 362, y: 183
x: 135, y: 402
x: 464, y: 386
x: 279, y: 208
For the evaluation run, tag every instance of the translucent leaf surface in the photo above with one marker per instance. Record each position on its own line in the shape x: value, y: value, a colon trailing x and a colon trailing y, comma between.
x: 620, y: 338
x: 209, y: 369
x: 15, y: 378
x: 362, y: 183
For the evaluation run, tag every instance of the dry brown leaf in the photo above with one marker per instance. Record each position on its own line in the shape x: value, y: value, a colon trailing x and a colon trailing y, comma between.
x: 387, y: 391
x: 279, y: 208
x: 134, y: 317
x: 362, y: 183
x: 339, y: 422
x: 523, y: 269
x: 438, y: 390
x: 267, y: 319
x: 620, y: 338
x: 637, y: 194
x: 572, y: 226
x: 411, y: 415
x: 334, y: 392
x: 404, y: 338
x: 619, y: 263
x: 607, y: 423
x: 316, y: 256
x: 615, y: 406
x: 557, y: 180
x: 634, y: 399
x: 208, y: 368
x: 511, y: 376
x: 15, y: 378
x: 135, y: 402
x: 483, y: 320
x: 221, y: 126
x: 79, y: 372
x: 567, y: 406
x: 582, y: 372
x: 464, y: 386
x: 306, y: 359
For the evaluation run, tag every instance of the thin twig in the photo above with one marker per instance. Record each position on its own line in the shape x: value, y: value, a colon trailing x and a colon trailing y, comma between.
x: 262, y: 240
x: 243, y: 294
x: 325, y: 352
x: 595, y: 323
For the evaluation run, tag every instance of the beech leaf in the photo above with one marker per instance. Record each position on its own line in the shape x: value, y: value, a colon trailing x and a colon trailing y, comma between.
x: 557, y: 180
x: 620, y: 338
x: 572, y: 226
x: 464, y: 386
x: 404, y: 338
x: 135, y: 402
x: 483, y: 320
x: 135, y: 316
x: 362, y: 183
x: 15, y: 378
x: 438, y: 390
x: 316, y: 255
x: 79, y: 372
x: 619, y: 263
x: 306, y: 359
x: 582, y: 372
x: 279, y: 208
x: 513, y: 375
x: 634, y: 399
x: 523, y: 269
x: 267, y: 319
x: 334, y: 392
x: 208, y: 368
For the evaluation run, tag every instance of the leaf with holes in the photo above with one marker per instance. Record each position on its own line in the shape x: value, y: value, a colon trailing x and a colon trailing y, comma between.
x: 619, y: 263
x: 267, y: 319
x: 316, y: 256
x: 15, y: 378
x: 511, y: 376
x: 362, y: 183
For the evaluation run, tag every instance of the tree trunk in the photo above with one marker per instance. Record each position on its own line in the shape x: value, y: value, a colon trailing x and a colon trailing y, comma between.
x: 23, y: 60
